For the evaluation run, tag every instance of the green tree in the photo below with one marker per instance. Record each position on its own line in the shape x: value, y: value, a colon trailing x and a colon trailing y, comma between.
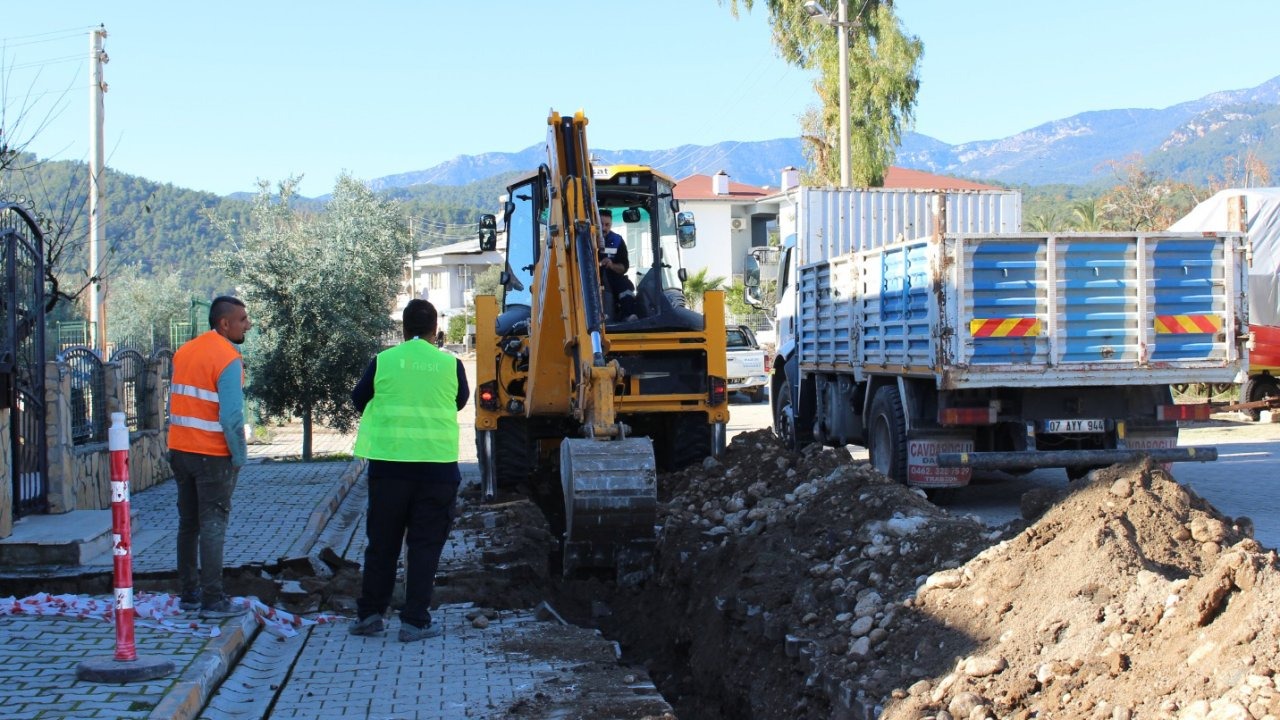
x: 883, y: 82
x: 1086, y: 215
x: 142, y: 307
x: 697, y: 285
x: 320, y: 287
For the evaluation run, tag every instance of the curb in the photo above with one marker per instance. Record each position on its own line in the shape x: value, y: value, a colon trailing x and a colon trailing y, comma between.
x: 325, y: 510
x: 196, y: 684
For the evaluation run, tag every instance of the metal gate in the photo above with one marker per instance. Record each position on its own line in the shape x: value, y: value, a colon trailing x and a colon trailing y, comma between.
x: 22, y: 354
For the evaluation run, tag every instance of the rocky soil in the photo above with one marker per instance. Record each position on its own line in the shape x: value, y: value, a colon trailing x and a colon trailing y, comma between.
x: 808, y: 586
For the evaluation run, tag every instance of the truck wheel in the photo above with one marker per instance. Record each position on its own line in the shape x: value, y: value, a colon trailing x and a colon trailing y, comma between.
x: 757, y: 395
x: 1259, y: 387
x: 794, y: 431
x: 887, y: 434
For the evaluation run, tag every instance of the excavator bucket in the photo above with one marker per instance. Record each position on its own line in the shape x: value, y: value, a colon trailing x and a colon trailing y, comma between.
x: 610, y: 504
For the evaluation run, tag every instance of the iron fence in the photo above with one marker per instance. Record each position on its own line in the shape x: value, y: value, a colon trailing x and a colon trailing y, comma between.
x: 88, y: 394
x: 133, y: 385
x: 163, y: 360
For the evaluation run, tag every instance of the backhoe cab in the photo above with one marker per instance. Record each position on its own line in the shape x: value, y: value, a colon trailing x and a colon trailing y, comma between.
x: 577, y: 406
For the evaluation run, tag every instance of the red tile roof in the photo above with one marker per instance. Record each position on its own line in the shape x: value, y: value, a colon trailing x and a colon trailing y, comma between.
x: 698, y: 187
x: 906, y: 179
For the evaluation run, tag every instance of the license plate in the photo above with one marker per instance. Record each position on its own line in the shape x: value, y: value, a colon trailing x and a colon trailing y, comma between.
x: 1090, y: 425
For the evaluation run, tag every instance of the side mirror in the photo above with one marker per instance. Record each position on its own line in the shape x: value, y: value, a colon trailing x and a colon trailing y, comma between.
x: 751, y: 281
x: 682, y: 274
x: 751, y: 271
x: 631, y: 215
x: 488, y: 233
x: 686, y: 233
x: 508, y: 208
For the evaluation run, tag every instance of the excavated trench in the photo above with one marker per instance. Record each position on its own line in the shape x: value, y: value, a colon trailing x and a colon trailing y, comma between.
x: 809, y: 586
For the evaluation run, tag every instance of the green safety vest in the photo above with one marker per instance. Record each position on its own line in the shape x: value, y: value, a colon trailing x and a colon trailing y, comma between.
x: 413, y: 416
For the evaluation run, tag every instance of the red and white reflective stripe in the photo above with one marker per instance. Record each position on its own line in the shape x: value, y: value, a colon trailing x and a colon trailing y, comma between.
x: 118, y: 444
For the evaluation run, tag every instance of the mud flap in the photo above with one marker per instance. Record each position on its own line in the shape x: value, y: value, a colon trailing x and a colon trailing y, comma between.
x: 922, y: 460
x: 610, y: 503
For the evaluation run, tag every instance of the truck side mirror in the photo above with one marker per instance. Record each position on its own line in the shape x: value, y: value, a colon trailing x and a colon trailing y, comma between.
x: 751, y: 280
x: 488, y: 233
x: 686, y: 233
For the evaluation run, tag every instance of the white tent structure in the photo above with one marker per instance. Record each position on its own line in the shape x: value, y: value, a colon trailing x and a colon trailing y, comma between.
x: 1262, y: 224
x: 1262, y: 207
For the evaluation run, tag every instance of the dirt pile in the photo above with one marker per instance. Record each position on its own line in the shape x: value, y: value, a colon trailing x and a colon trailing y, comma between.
x: 808, y: 586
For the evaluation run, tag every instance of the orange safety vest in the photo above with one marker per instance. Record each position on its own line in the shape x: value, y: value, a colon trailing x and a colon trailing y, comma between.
x: 193, y: 395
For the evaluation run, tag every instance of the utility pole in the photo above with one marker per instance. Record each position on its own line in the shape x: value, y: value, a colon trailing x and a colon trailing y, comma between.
x: 97, y: 88
x: 413, y: 254
x: 842, y: 38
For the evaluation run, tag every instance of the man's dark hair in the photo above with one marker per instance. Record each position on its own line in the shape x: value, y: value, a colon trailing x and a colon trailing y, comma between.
x: 222, y: 307
x: 419, y: 320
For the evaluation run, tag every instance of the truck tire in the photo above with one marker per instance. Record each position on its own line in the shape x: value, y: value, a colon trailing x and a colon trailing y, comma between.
x: 1259, y: 387
x: 794, y: 431
x: 756, y: 395
x: 887, y: 434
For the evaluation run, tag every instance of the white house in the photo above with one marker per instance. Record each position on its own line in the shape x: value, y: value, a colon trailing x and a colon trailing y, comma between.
x: 728, y: 219
x: 445, y: 275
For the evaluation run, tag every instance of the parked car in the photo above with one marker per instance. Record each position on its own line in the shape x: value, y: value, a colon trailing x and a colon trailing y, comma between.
x: 748, y: 369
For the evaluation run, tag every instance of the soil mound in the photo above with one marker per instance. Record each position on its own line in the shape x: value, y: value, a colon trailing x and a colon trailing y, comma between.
x: 809, y: 586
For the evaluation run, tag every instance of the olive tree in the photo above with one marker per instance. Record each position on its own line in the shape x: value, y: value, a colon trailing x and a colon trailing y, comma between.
x: 883, y: 82
x: 320, y: 289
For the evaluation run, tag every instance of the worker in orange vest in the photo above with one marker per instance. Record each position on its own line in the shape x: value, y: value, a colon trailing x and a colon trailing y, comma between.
x: 206, y: 451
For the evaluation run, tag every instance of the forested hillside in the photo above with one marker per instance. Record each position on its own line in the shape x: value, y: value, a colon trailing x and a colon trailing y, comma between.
x: 163, y: 229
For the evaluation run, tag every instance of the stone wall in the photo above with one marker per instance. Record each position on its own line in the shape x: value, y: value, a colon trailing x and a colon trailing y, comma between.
x: 80, y: 475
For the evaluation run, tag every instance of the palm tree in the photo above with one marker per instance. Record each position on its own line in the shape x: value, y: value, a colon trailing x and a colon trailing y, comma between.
x: 1085, y: 215
x: 697, y: 284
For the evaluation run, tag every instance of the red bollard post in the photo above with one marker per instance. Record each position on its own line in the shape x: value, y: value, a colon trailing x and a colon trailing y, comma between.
x: 121, y: 541
x: 125, y: 666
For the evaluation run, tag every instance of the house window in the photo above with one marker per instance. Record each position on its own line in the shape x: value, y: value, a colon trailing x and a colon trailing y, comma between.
x: 435, y: 281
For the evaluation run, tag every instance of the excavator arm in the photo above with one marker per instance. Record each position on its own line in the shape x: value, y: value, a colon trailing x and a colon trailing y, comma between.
x: 609, y: 480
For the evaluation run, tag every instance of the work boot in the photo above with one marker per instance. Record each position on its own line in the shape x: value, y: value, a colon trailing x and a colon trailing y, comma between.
x: 413, y: 633
x: 189, y: 601
x: 368, y: 627
x: 223, y: 608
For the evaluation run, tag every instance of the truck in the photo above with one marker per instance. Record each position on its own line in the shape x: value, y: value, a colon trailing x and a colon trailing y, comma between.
x: 746, y: 363
x: 577, y: 405
x: 930, y: 329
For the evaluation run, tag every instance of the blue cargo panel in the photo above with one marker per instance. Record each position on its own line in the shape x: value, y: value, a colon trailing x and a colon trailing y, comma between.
x: 1099, y: 296
x: 895, y: 307
x: 1188, y: 285
x: 1007, y: 281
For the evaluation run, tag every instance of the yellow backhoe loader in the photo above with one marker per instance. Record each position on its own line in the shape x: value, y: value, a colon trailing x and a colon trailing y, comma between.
x: 577, y: 406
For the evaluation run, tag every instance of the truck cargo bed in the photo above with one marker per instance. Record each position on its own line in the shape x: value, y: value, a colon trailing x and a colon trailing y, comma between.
x: 1027, y: 310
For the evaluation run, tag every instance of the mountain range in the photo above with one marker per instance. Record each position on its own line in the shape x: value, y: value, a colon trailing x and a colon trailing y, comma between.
x: 1187, y: 141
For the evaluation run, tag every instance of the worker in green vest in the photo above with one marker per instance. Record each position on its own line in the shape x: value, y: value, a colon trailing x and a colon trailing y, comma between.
x: 409, y: 399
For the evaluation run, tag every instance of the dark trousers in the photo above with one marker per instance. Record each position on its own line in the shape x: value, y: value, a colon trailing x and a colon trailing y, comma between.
x: 205, y: 486
x: 624, y: 292
x: 411, y: 508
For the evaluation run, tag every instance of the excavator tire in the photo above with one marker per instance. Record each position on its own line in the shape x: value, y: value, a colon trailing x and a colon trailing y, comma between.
x: 686, y: 439
x: 513, y: 452
x: 610, y: 501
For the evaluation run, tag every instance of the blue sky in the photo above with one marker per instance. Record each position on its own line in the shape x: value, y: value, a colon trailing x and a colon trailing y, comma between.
x: 214, y: 96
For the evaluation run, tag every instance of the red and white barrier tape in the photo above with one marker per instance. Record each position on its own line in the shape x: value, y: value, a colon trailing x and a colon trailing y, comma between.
x: 161, y: 611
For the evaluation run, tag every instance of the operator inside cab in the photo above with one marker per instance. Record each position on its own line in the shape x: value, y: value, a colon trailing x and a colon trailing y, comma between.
x: 614, y: 263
